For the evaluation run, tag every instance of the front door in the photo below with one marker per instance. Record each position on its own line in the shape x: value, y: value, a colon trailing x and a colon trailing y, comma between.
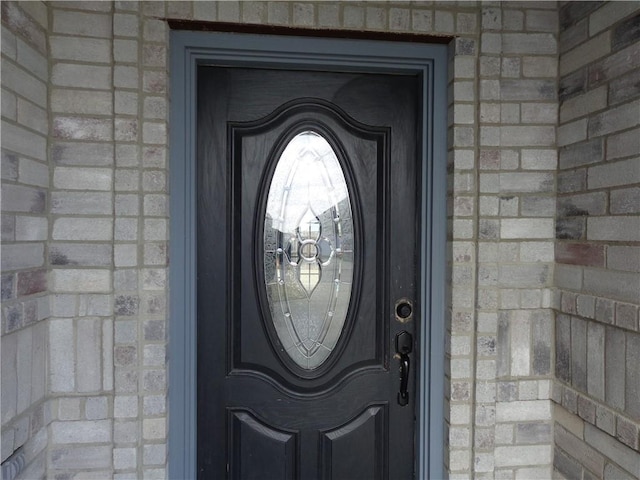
x: 307, y: 259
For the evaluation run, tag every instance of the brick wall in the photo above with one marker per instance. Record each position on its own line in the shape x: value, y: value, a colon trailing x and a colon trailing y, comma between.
x: 598, y: 242
x: 25, y: 226
x: 101, y: 232
x: 81, y: 248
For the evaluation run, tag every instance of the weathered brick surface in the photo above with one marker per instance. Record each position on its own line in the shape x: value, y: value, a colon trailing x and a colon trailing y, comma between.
x: 598, y: 231
x: 105, y: 99
x: 25, y: 184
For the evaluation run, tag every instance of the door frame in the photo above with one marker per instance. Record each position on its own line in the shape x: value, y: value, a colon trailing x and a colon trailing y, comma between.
x: 190, y: 49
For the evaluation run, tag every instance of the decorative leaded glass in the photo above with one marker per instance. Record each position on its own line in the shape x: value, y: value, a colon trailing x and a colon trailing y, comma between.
x: 308, y: 249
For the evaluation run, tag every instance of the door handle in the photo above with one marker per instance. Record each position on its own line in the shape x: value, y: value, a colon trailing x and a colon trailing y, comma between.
x: 404, y: 346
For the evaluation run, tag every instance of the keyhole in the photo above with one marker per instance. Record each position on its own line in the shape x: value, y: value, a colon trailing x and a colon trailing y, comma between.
x: 404, y: 310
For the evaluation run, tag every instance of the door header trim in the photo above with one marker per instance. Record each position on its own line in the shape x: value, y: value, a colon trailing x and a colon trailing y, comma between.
x: 189, y: 49
x: 200, y: 26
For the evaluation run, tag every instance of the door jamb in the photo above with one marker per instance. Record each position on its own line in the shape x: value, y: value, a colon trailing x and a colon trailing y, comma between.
x: 190, y: 49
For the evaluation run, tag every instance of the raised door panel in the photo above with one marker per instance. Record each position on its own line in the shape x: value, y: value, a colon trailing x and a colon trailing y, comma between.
x: 260, y: 451
x: 357, y: 449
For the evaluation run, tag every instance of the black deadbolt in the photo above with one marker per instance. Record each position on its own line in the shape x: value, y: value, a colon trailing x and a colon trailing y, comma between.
x: 404, y: 310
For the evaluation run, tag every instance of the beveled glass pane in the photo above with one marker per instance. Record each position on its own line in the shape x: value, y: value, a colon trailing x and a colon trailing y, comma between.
x: 308, y: 249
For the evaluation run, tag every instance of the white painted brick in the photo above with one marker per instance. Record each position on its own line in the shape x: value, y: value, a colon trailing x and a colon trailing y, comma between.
x: 24, y: 84
x: 623, y: 144
x: 124, y: 458
x: 444, y: 22
x: 540, y: 159
x: 82, y: 24
x: 589, y: 102
x: 81, y: 101
x: 107, y: 353
x: 154, y: 428
x: 526, y: 182
x: 623, y: 258
x: 520, y: 333
x: 81, y: 457
x: 125, y: 255
x: 539, y: 113
x: 615, y: 119
x: 85, y: 153
x: 81, y: 76
x: 529, y: 136
x: 464, y: 91
x: 491, y: 42
x: 9, y: 43
x: 81, y: 280
x: 23, y: 141
x: 18, y: 198
x: 125, y: 77
x: 126, y: 229
x: 95, y: 305
x: 61, y: 355
x: 125, y: 406
x: 81, y: 203
x: 523, y: 411
x: 21, y: 256
x: 82, y: 229
x: 91, y: 50
x: 9, y: 105
x: 489, y: 90
x: 568, y: 276
x: 421, y: 20
x: 88, y: 6
x: 616, y: 451
x: 622, y: 286
x: 33, y: 173
x: 154, y: 454
x: 126, y: 102
x: 32, y: 116
x: 74, y: 178
x: 531, y: 252
x: 586, y: 53
x: 24, y: 340
x: 465, y: 67
x: 31, y: 229
x: 608, y: 14
x: 125, y: 51
x: 572, y: 132
x: 126, y: 129
x: 82, y: 128
x: 524, y: 228
x: 154, y: 133
x: 537, y: 473
x: 96, y: 408
x: 95, y: 431
x: 542, y: 20
x: 39, y: 362
x: 540, y: 67
x: 625, y: 200
x: 32, y: 60
x: 619, y: 228
x: 207, y: 12
x: 614, y: 174
x: 524, y: 43
x: 88, y: 347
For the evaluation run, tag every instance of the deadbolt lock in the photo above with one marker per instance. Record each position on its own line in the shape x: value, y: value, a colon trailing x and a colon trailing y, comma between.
x: 404, y: 310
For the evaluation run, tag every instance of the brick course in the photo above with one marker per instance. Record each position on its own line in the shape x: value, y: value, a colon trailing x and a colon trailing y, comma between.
x: 85, y: 201
x: 597, y: 68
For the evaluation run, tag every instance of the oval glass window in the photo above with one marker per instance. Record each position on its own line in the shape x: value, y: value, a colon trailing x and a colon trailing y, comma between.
x: 308, y: 249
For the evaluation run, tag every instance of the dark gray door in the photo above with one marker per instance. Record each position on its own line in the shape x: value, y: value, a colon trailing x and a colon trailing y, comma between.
x: 307, y: 274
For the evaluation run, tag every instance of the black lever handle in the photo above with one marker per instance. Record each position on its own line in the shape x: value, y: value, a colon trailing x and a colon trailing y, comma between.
x: 404, y: 345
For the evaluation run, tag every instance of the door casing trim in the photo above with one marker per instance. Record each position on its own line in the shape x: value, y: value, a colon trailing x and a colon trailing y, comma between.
x: 190, y: 49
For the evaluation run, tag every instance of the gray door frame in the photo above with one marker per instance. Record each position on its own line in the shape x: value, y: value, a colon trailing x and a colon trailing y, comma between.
x: 190, y: 49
